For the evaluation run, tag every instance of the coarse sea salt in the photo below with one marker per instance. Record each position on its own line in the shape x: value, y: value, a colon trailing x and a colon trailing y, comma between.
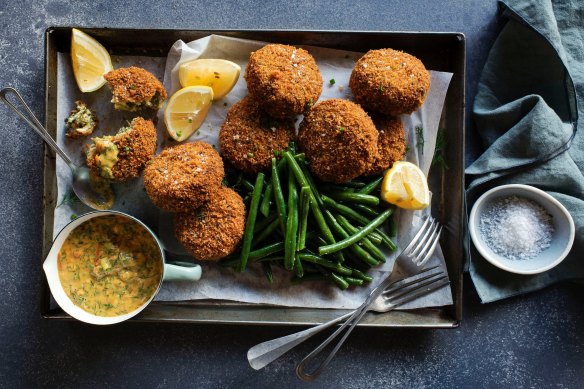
x: 516, y: 228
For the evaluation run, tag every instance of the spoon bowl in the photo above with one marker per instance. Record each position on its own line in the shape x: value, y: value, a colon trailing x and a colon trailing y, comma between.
x: 95, y: 192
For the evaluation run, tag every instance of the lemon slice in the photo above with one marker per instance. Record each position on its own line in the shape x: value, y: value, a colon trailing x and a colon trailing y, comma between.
x: 405, y: 185
x: 186, y: 110
x: 90, y: 61
x: 219, y: 74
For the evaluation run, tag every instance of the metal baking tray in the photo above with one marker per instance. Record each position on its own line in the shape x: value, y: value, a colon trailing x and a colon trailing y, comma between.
x: 438, y: 51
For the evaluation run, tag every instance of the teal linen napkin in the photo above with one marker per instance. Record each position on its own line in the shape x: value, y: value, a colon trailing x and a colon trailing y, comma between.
x: 526, y: 115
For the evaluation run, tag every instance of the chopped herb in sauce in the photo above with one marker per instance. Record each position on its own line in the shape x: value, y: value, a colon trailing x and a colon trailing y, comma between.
x: 109, y: 266
x: 332, y: 81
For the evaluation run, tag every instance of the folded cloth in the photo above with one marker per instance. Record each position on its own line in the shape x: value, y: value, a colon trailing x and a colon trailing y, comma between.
x: 526, y: 114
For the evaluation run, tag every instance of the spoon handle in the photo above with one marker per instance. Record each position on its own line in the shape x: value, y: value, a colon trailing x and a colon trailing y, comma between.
x: 32, y: 121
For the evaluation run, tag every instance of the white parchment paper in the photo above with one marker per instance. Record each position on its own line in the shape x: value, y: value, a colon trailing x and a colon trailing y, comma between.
x: 220, y: 283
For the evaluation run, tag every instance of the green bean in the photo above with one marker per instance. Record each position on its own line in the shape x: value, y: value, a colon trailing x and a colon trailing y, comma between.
x: 304, y: 208
x: 365, y: 210
x: 325, y: 263
x: 261, y: 224
x: 292, y: 147
x: 353, y: 281
x: 361, y: 275
x: 391, y: 227
x: 267, y: 268
x: 375, y: 238
x: 344, y: 210
x: 353, y: 215
x: 386, y: 240
x: 247, y: 185
x: 266, y: 250
x: 291, y: 224
x: 278, y: 195
x: 374, y: 251
x: 250, y: 222
x: 370, y: 187
x: 340, y: 281
x: 266, y: 232
x: 355, y: 249
x: 314, y: 205
x: 356, y: 237
x: 355, y: 198
x: 298, y: 266
x: 267, y: 199
x: 269, y: 192
x: 350, y: 213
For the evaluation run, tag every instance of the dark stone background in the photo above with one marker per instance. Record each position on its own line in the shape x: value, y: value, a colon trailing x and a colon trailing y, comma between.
x: 529, y: 341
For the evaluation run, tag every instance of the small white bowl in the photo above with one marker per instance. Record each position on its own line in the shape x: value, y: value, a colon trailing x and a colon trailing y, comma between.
x: 562, y: 237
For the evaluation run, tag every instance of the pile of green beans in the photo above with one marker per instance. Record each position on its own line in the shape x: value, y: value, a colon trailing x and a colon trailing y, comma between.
x: 334, y: 236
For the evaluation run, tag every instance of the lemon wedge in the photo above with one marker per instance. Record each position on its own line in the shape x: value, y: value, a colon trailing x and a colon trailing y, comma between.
x: 186, y: 110
x: 219, y: 74
x: 405, y: 186
x: 90, y: 61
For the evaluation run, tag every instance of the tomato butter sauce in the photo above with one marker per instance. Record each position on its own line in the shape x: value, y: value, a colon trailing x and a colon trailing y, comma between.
x: 110, y: 265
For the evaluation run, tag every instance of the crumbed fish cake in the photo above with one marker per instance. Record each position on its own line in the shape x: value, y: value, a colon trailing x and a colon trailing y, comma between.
x: 135, y: 88
x: 339, y: 140
x: 249, y: 137
x: 285, y: 80
x: 213, y: 230
x: 123, y: 156
x: 390, y: 82
x: 182, y: 178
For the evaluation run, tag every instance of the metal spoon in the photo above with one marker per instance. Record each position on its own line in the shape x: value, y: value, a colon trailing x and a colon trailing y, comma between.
x: 83, y: 183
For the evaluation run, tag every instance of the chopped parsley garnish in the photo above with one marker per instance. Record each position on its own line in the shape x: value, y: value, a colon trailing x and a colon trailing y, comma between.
x: 190, y: 120
x: 69, y: 198
x: 179, y: 133
x: 332, y: 81
x: 308, y: 105
x: 250, y: 155
x: 440, y: 149
x: 74, y: 216
x: 381, y: 88
x: 342, y: 130
x: 420, y: 138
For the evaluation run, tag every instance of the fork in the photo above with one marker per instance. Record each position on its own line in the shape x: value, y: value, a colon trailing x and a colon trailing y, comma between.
x: 395, y: 290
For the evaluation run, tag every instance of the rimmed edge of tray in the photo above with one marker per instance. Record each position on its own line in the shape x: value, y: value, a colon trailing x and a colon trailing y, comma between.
x: 123, y: 42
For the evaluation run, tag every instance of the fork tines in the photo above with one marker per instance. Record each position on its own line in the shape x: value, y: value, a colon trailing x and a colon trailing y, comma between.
x: 425, y: 242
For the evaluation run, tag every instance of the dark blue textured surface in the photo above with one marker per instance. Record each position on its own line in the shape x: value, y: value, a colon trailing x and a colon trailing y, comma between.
x: 531, y: 341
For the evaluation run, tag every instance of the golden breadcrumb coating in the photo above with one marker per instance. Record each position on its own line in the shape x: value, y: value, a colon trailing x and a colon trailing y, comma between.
x: 181, y: 178
x: 249, y: 137
x: 390, y: 82
x: 285, y: 80
x: 391, y: 143
x: 135, y: 145
x: 134, y: 88
x: 214, y: 230
x: 339, y: 140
